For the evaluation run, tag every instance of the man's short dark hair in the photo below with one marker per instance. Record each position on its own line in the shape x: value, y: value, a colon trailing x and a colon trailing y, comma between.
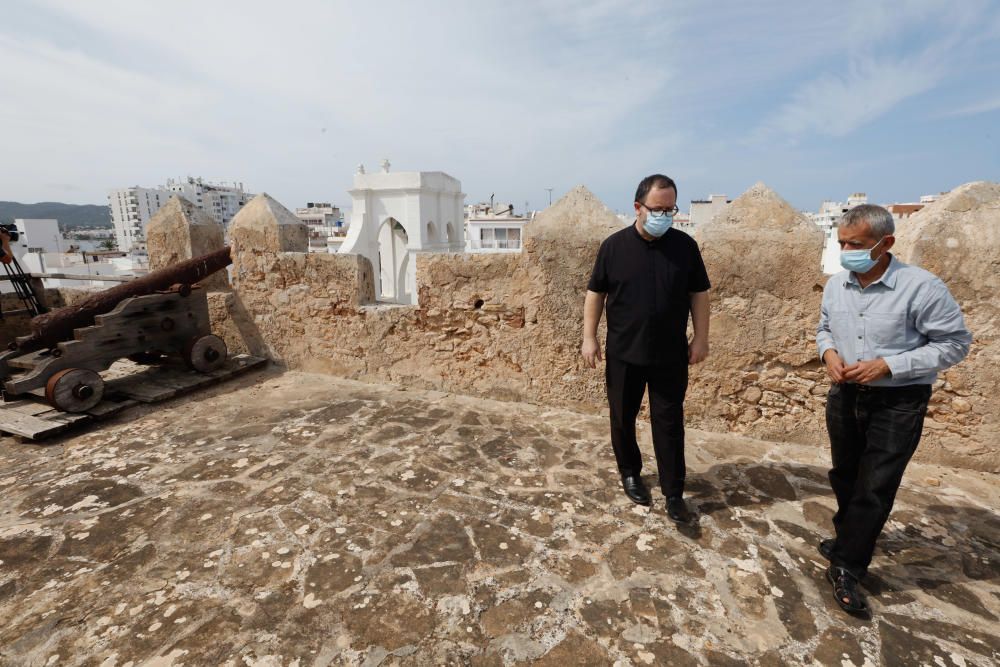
x: 654, y: 181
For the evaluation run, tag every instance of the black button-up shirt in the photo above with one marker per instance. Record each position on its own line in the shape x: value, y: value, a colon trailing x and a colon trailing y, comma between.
x: 648, y: 286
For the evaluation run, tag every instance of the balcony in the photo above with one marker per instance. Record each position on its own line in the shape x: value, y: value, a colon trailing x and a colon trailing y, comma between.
x: 513, y: 245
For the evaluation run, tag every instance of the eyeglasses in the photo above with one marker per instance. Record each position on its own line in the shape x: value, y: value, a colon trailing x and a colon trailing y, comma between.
x: 661, y: 211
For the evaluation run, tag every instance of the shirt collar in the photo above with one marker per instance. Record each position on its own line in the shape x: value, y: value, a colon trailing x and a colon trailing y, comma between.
x: 888, y: 278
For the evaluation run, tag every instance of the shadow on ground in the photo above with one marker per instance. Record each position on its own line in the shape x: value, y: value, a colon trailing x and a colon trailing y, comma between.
x: 302, y: 518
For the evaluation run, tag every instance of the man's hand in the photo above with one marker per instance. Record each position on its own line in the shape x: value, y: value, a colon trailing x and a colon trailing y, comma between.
x: 591, y: 351
x: 834, y: 366
x: 697, y: 350
x: 864, y: 372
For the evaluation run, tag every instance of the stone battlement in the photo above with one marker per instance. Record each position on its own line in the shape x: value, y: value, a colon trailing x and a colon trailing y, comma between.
x: 508, y: 326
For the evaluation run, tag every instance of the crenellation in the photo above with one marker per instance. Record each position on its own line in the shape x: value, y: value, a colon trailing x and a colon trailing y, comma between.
x: 507, y: 325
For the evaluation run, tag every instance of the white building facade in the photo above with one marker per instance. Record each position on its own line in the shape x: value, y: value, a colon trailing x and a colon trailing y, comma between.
x: 394, y: 216
x: 829, y: 214
x: 494, y: 228
x: 325, y: 222
x: 832, y: 211
x: 35, y: 237
x: 221, y: 201
x: 131, y: 208
x: 704, y: 210
x: 682, y: 221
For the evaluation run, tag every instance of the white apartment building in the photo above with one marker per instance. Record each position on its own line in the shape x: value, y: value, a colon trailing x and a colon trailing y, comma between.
x: 831, y: 211
x: 36, y: 235
x: 682, y: 221
x: 704, y: 210
x: 131, y: 208
x: 493, y: 228
x: 221, y: 201
x: 902, y: 211
x: 324, y: 221
x: 319, y: 214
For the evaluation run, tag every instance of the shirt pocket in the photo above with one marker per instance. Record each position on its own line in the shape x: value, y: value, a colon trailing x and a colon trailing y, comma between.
x: 841, y: 326
x: 886, y: 330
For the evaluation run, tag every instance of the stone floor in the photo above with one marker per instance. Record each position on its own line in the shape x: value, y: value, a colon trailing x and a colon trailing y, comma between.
x: 293, y: 519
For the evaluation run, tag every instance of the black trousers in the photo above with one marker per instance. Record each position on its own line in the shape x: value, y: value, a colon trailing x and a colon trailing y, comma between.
x: 873, y: 433
x: 667, y: 386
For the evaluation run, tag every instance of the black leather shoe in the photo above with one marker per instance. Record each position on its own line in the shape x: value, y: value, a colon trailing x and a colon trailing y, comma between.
x: 826, y: 547
x: 635, y: 489
x: 677, y: 510
x: 846, y: 593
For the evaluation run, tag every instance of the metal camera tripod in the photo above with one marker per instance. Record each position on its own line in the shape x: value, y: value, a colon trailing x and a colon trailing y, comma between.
x: 18, y: 278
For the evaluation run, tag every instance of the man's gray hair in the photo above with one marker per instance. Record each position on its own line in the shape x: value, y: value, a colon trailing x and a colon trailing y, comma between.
x: 878, y: 218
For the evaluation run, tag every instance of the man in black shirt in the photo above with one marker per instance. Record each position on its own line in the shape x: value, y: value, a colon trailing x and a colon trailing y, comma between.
x: 650, y: 277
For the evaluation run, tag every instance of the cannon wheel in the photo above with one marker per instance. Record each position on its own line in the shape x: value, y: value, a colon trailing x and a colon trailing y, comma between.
x: 74, y: 389
x: 205, y: 353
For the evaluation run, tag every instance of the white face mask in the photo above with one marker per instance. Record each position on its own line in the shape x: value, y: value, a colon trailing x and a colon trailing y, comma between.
x: 657, y: 225
x: 860, y: 261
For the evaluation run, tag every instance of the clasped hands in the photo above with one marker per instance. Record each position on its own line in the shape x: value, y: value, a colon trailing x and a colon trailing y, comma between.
x: 861, y: 372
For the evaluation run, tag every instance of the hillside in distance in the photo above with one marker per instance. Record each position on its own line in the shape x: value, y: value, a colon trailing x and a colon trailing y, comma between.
x: 70, y: 216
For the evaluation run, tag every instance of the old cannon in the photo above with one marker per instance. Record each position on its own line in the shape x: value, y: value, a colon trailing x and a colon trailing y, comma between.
x: 162, y: 314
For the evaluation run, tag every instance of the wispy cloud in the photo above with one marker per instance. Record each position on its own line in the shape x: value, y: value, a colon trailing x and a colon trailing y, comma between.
x: 509, y: 97
x: 984, y: 106
x: 480, y: 91
x: 887, y: 60
x: 838, y: 104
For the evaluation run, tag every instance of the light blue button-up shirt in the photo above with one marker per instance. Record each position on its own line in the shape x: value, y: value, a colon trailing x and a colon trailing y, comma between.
x: 907, y: 317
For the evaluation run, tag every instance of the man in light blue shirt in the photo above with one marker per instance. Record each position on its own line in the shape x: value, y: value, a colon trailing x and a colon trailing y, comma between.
x: 886, y: 330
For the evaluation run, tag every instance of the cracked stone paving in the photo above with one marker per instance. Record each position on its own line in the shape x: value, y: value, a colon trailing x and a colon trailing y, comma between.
x: 295, y: 519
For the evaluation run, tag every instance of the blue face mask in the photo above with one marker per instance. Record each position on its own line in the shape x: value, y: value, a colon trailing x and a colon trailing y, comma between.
x: 657, y: 225
x: 859, y: 261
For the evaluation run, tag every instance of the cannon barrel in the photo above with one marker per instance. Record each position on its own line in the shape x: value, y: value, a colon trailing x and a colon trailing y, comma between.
x: 56, y: 326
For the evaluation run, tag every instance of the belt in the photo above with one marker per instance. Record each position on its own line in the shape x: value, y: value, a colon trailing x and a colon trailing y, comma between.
x: 867, y: 389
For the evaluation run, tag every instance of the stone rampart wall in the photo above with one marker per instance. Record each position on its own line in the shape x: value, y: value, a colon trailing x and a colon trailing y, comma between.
x: 958, y: 239
x: 508, y: 326
x: 762, y: 377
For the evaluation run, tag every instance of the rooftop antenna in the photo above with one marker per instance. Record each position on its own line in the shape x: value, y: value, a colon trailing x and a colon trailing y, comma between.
x: 550, y: 195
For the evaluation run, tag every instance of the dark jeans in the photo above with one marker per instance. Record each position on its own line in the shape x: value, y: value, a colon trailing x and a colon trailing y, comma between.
x: 873, y: 433
x: 667, y: 386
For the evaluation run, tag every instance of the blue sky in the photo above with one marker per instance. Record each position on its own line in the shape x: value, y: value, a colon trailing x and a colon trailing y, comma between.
x: 817, y: 100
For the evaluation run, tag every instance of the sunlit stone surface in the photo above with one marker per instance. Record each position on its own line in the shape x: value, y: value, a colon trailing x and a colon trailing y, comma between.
x: 295, y: 519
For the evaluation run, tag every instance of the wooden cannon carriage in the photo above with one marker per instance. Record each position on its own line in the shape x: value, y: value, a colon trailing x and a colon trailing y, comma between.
x: 157, y: 317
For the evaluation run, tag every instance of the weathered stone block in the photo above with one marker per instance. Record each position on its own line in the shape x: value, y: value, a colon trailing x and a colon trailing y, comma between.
x: 264, y: 225
x: 179, y: 231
